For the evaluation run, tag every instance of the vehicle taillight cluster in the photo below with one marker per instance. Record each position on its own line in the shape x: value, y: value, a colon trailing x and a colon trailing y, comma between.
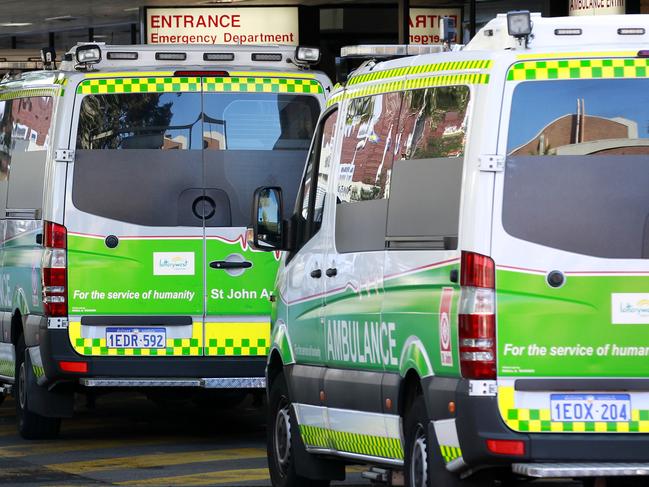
x: 54, y: 270
x: 477, y: 318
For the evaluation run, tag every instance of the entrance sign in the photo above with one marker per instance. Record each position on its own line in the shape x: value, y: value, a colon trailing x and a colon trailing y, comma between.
x: 597, y: 7
x: 425, y: 24
x: 218, y: 25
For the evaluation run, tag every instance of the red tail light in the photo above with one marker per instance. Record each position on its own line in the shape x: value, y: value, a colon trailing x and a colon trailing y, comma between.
x: 55, y: 236
x: 79, y: 367
x: 477, y: 319
x: 506, y: 447
x: 54, y: 270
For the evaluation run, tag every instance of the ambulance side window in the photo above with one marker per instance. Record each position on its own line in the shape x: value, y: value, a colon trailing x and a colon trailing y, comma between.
x: 370, y: 138
x: 424, y: 206
x: 24, y: 140
x: 307, y: 218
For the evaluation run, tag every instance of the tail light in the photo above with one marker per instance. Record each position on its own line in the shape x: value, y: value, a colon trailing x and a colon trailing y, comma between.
x: 54, y: 270
x: 506, y: 447
x: 477, y: 318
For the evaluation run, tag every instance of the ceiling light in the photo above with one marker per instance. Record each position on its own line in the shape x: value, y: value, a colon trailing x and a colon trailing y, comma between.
x: 15, y: 24
x: 60, y: 18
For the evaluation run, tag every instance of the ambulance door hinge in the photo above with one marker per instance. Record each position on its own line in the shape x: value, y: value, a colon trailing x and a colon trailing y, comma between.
x: 64, y: 155
x: 491, y: 163
x: 483, y: 388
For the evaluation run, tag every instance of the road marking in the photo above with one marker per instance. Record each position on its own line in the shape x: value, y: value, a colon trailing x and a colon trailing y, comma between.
x: 68, y: 446
x: 208, y: 478
x: 158, y: 460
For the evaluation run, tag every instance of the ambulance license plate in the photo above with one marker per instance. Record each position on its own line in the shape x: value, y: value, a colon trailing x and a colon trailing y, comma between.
x: 590, y: 407
x: 136, y: 337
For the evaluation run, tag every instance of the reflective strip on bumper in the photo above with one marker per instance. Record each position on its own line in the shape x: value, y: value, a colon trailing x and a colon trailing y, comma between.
x: 237, y: 339
x: 556, y: 470
x: 190, y: 346
x: 204, y: 383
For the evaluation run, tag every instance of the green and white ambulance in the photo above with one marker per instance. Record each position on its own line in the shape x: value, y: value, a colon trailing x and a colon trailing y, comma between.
x: 126, y: 179
x: 465, y: 289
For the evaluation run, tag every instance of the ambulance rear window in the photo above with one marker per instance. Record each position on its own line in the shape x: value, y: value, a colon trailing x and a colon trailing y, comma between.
x: 212, y: 121
x: 577, y: 171
x: 152, y: 158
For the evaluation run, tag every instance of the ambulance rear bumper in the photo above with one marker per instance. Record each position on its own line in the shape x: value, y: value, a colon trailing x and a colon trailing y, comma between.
x: 208, y: 372
x: 566, y: 470
x: 478, y: 420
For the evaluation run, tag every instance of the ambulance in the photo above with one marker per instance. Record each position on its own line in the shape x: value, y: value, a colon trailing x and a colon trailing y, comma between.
x: 126, y: 182
x: 464, y: 294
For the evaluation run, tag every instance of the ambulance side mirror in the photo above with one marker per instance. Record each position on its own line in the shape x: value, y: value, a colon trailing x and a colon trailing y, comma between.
x: 267, y: 222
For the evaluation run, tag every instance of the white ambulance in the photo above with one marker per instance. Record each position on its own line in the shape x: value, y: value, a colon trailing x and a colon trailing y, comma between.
x: 126, y: 179
x: 465, y: 289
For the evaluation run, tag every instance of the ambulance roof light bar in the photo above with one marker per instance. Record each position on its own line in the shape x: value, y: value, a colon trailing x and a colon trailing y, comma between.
x: 388, y: 51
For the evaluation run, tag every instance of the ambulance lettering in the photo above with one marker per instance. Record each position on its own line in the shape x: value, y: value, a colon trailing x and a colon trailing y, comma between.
x: 371, y: 343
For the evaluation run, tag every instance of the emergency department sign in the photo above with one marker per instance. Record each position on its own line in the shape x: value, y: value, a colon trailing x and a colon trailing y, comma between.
x: 425, y: 24
x: 597, y: 7
x: 218, y: 25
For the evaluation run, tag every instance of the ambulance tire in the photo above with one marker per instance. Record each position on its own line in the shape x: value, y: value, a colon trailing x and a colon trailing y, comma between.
x: 424, y: 465
x: 281, y: 440
x: 31, y: 426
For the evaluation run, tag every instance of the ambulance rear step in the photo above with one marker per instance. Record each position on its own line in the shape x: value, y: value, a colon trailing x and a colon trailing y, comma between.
x: 564, y: 470
x: 204, y: 383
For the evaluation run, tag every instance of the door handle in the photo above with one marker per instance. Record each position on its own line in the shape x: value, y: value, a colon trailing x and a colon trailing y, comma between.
x: 331, y: 272
x: 224, y: 264
x: 316, y: 274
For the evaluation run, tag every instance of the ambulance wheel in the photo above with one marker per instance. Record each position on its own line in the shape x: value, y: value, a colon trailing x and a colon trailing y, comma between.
x: 424, y: 465
x: 31, y: 426
x: 282, y: 441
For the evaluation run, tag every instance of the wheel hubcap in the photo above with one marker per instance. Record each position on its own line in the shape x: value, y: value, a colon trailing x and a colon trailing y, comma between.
x: 22, y: 394
x: 419, y: 465
x: 283, y: 438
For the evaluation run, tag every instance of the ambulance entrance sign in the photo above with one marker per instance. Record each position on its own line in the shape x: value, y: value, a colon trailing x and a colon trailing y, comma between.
x: 222, y: 25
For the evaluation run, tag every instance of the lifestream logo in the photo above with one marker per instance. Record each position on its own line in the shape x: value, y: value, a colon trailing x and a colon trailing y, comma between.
x: 173, y: 263
x: 630, y: 308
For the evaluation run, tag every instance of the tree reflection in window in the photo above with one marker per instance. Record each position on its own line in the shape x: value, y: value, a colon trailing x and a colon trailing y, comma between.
x: 434, y: 122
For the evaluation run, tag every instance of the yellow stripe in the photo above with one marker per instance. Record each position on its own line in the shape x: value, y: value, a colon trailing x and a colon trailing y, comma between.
x: 582, y: 54
x: 122, y: 74
x: 227, y: 477
x: 69, y: 446
x: 157, y: 460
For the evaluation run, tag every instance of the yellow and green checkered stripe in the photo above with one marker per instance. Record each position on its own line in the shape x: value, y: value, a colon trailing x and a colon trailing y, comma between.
x: 579, y: 69
x: 540, y: 420
x: 375, y: 446
x: 7, y: 368
x: 13, y: 94
x: 169, y: 84
x: 175, y: 346
x: 483, y: 64
x: 102, y: 86
x: 261, y: 85
x: 450, y: 453
x: 237, y: 339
